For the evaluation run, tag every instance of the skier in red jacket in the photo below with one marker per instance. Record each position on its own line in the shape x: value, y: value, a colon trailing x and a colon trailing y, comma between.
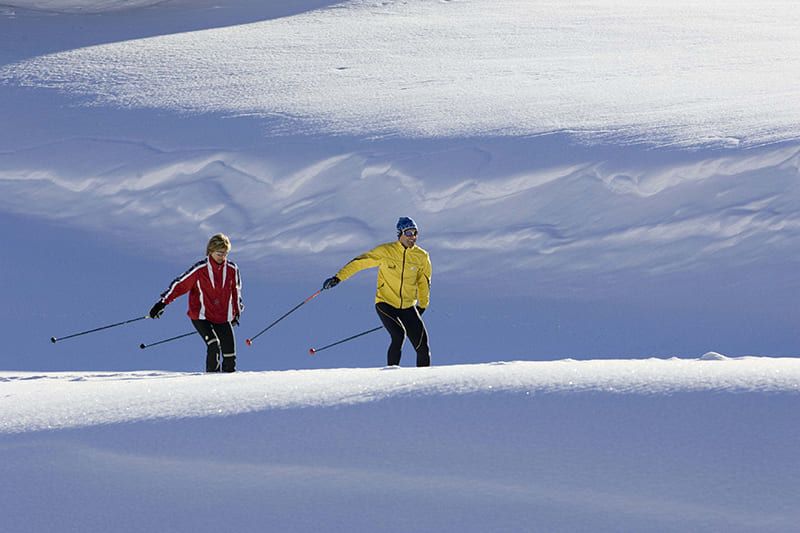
x: 214, y: 285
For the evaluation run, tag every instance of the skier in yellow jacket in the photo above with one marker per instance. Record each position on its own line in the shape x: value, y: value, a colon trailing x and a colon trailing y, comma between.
x: 404, y: 289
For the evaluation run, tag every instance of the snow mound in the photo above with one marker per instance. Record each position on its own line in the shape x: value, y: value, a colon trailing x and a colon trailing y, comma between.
x: 566, y: 69
x: 714, y: 356
x: 37, y: 401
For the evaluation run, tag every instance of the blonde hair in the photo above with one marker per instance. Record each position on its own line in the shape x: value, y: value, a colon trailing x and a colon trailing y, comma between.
x: 218, y: 242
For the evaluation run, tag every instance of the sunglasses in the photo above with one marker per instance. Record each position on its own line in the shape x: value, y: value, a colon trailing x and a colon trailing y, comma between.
x: 410, y: 233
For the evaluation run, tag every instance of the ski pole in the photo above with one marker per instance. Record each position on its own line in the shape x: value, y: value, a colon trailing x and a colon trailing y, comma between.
x: 249, y: 341
x: 56, y: 339
x: 143, y: 345
x: 312, y: 351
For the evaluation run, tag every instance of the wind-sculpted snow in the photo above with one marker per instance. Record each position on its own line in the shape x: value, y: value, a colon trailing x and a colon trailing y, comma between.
x: 37, y: 401
x: 667, y: 73
x: 81, y: 6
x: 572, y: 214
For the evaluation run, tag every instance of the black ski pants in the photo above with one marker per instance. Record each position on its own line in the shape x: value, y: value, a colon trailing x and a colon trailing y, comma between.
x: 220, y: 345
x: 401, y: 323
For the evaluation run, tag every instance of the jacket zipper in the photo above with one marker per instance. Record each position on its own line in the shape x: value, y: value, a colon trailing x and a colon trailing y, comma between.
x: 402, y: 276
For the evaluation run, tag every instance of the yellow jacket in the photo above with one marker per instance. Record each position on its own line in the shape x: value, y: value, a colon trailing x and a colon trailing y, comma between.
x: 404, y: 274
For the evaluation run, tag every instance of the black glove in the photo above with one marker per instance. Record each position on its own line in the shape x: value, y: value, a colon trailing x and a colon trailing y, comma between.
x: 235, y: 322
x: 420, y: 310
x: 157, y: 309
x: 330, y: 283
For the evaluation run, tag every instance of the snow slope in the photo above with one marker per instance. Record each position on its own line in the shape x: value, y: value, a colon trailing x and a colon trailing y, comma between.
x: 656, y: 445
x: 469, y: 68
x: 599, y: 187
x: 593, y: 180
x: 295, y: 133
x: 106, y: 398
x: 602, y: 179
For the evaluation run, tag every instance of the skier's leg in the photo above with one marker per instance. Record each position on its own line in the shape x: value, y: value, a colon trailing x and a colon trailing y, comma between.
x: 205, y: 329
x: 417, y: 335
x: 388, y: 317
x: 228, y: 345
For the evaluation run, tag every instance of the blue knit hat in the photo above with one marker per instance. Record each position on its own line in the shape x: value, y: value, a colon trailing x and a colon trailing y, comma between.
x: 405, y: 223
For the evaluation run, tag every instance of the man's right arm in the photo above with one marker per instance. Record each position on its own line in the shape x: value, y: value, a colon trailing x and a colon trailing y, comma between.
x: 366, y: 260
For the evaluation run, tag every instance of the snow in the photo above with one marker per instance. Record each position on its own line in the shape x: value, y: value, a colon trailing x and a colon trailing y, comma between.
x: 79, y: 6
x: 506, y: 67
x: 609, y: 193
x: 35, y: 401
x: 657, y: 445
x: 295, y: 131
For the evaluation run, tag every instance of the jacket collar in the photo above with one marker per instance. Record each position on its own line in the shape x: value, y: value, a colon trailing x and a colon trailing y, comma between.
x: 215, y: 268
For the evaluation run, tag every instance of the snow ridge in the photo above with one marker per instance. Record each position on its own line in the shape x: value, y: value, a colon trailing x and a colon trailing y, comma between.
x: 323, y: 201
x: 38, y: 401
x: 631, y: 71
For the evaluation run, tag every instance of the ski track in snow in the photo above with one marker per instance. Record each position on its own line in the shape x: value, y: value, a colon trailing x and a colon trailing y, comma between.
x: 38, y: 401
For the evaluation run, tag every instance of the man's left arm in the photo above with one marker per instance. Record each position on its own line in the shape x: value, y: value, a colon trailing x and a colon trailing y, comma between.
x: 424, y: 284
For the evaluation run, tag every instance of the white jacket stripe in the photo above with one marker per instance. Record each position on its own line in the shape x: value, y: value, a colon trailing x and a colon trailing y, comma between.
x: 180, y: 278
x: 202, y: 314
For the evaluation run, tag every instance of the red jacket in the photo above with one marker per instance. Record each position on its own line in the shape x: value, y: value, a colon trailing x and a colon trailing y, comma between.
x: 215, y: 291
